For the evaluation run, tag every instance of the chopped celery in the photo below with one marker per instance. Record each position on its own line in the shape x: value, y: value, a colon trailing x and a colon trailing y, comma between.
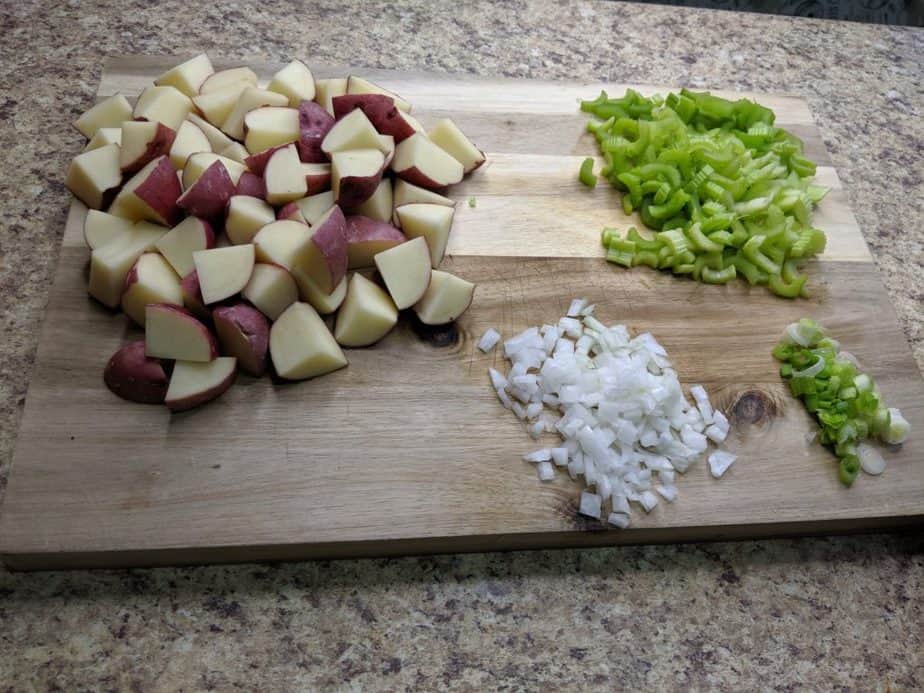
x: 846, y: 403
x: 717, y: 172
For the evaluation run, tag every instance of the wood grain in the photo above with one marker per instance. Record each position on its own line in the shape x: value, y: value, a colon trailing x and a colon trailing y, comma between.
x: 407, y: 450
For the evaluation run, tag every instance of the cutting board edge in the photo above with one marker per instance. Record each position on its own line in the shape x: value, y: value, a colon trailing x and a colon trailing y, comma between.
x: 378, y: 548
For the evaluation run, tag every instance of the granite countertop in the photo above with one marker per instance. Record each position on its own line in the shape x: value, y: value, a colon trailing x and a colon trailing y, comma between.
x: 817, y: 614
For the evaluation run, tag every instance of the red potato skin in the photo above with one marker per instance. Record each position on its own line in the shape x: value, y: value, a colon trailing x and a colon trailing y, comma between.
x: 317, y: 182
x: 257, y: 162
x: 192, y: 296
x: 196, y: 400
x: 161, y: 190
x: 379, y: 109
x: 251, y: 185
x: 208, y: 197
x: 291, y: 212
x: 209, y: 232
x: 313, y: 125
x: 134, y: 376
x: 362, y: 230
x: 331, y: 235
x: 354, y: 190
x: 160, y: 145
x: 253, y: 326
x: 417, y: 177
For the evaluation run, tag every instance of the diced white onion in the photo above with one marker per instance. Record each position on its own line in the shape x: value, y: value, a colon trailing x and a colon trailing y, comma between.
x: 668, y: 493
x: 720, y: 461
x: 577, y: 305
x: 716, y: 434
x: 489, y: 340
x: 545, y: 471
x: 543, y: 455
x: 559, y: 456
x: 871, y: 461
x: 648, y: 501
x: 620, y: 520
x: 591, y: 505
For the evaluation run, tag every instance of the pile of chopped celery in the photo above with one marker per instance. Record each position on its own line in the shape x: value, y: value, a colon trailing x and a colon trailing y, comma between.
x: 845, y: 402
x: 725, y: 190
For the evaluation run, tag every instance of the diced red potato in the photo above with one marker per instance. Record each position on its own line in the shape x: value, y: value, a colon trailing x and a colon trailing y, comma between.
x: 271, y: 289
x: 178, y: 245
x: 417, y: 160
x: 308, y: 290
x: 429, y: 221
x: 368, y: 237
x: 246, y: 215
x: 103, y: 137
x: 134, y: 376
x: 166, y: 105
x: 150, y: 280
x: 243, y: 332
x: 257, y: 162
x: 110, y: 263
x: 251, y: 185
x: 352, y: 131
x: 447, y: 135
x: 250, y: 99
x: 323, y: 255
x: 355, y: 175
x: 208, y: 196
x: 108, y: 113
x: 359, y: 85
x: 142, y: 141
x: 217, y: 139
x: 223, y: 272
x: 189, y: 139
x: 292, y: 212
x: 95, y: 176
x: 193, y: 383
x: 379, y: 204
x: 295, y: 81
x: 407, y: 193
x: 301, y: 346
x: 270, y: 126
x: 280, y: 241
x: 313, y: 125
x: 198, y: 163
x: 100, y: 228
x: 327, y: 89
x: 172, y: 332
x: 314, y: 206
x: 284, y: 178
x: 405, y: 269
x: 225, y: 78
x: 236, y: 152
x: 381, y: 112
x: 367, y: 314
x: 188, y: 76
x: 192, y: 297
x: 217, y: 105
x: 151, y: 194
x: 317, y: 178
x: 446, y: 298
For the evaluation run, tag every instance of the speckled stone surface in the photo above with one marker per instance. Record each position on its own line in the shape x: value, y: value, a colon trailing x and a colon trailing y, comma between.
x: 809, y: 614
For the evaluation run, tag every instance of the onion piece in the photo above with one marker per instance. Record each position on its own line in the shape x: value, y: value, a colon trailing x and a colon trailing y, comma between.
x: 591, y: 505
x: 871, y: 461
x: 545, y: 471
x: 620, y: 520
x: 811, y: 371
x: 489, y: 340
x: 543, y: 455
x: 577, y: 305
x: 720, y: 461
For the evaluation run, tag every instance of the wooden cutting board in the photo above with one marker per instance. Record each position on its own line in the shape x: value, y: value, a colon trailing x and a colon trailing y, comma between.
x: 407, y: 450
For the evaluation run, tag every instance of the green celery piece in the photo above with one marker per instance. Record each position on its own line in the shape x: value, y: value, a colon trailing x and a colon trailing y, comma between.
x: 619, y: 257
x: 711, y: 276
x: 753, y: 253
x: 701, y: 241
x: 671, y: 207
x: 586, y: 174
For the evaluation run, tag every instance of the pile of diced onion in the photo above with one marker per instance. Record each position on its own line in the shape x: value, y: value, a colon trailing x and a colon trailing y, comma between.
x: 625, y: 424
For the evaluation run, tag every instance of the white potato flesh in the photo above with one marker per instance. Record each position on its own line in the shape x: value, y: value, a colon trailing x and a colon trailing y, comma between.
x: 93, y: 173
x: 270, y: 126
x: 178, y: 245
x: 295, y: 81
x: 110, y: 263
x: 173, y: 333
x: 100, y: 228
x: 249, y: 99
x: 280, y: 241
x: 308, y: 290
x: 327, y: 89
x: 216, y: 106
x: 225, y: 78
x: 363, y: 166
x: 301, y: 346
x: 246, y: 216
x: 405, y: 269
x: 352, y: 131
x: 217, y: 139
x: 359, y: 85
x: 103, y: 137
x: 166, y: 105
x: 283, y: 177
x: 108, y: 113
x: 150, y: 280
x: 198, y: 163
x: 446, y: 299
x: 236, y: 152
x: 447, y: 135
x: 428, y: 221
x: 137, y: 138
x: 271, y: 289
x: 423, y: 163
x: 379, y: 206
x: 188, y: 76
x: 313, y: 207
x: 407, y: 193
x: 193, y: 383
x: 367, y: 314
x: 223, y: 272
x: 189, y: 140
